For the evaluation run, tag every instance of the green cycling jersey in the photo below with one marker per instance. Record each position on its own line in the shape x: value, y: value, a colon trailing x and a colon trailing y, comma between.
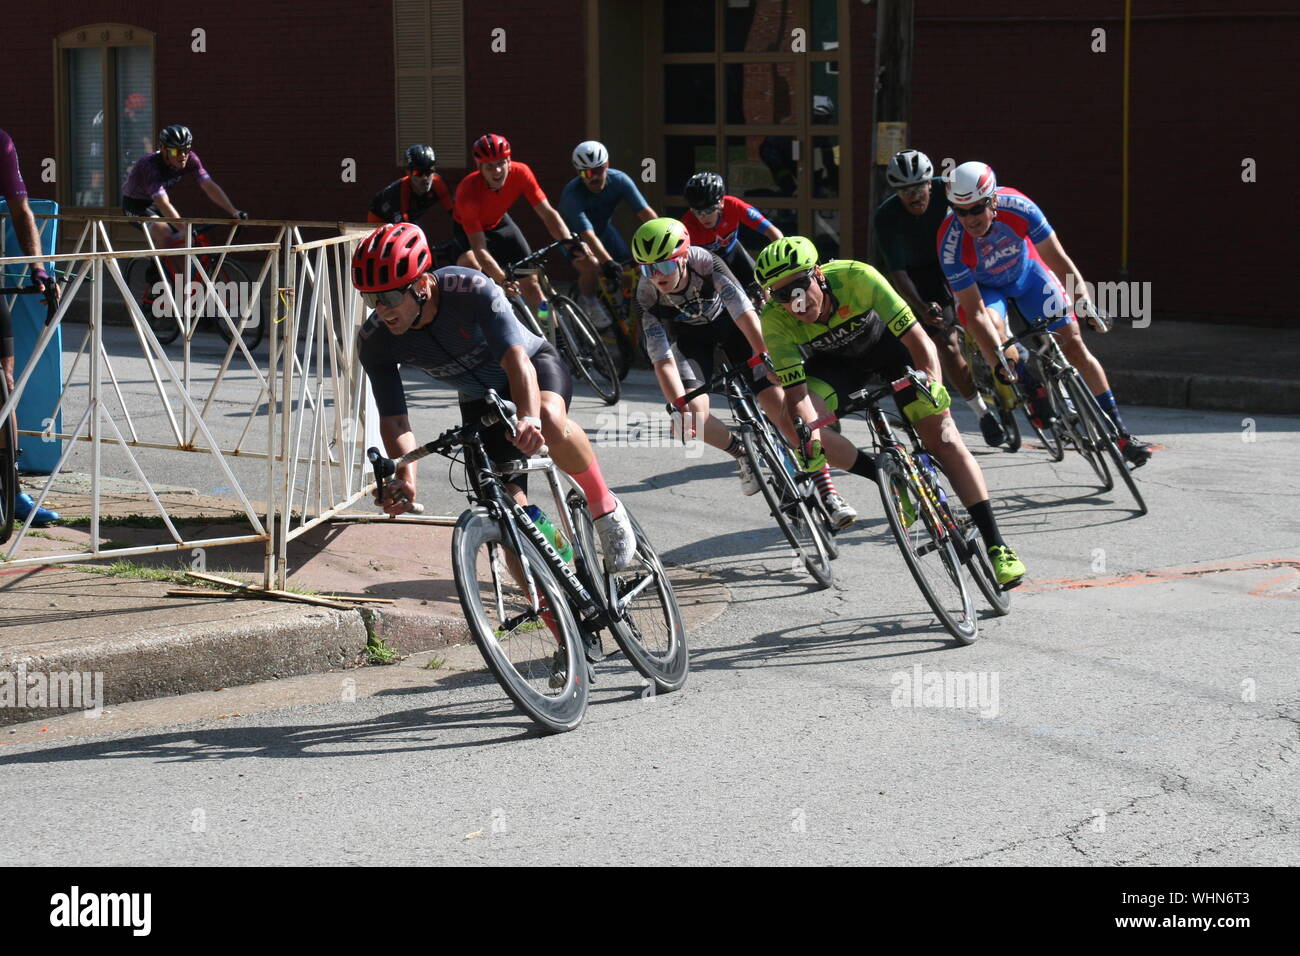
x: 863, y: 305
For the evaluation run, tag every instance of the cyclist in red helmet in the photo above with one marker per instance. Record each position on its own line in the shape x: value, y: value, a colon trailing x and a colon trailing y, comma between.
x: 482, y: 226
x: 456, y: 325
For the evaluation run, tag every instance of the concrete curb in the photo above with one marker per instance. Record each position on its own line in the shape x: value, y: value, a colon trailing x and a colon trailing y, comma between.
x: 1211, y: 393
x: 201, y: 657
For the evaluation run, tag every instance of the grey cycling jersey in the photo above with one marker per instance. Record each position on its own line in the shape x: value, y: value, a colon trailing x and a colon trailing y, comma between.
x: 710, y: 288
x: 463, y: 346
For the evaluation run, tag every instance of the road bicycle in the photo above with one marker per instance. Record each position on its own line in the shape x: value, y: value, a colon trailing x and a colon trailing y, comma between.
x: 939, y: 542
x: 1002, y: 397
x: 230, y: 280
x: 536, y: 617
x: 792, y: 497
x: 1077, y: 420
x: 9, y: 431
x: 567, y: 327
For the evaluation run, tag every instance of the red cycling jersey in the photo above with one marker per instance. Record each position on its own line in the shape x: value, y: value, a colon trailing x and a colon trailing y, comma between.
x: 398, y: 202
x: 479, y: 208
x: 723, y: 235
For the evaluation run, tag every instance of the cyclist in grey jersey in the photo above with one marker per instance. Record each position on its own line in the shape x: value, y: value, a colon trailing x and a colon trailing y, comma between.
x: 455, y: 324
x: 693, y: 303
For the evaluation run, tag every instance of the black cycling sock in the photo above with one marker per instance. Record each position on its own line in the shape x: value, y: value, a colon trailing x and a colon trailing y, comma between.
x: 982, y: 514
x: 736, y: 449
x: 864, y: 465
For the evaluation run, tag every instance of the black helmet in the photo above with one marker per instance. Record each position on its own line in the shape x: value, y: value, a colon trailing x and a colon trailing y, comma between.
x: 420, y: 157
x: 176, y: 136
x: 704, y: 190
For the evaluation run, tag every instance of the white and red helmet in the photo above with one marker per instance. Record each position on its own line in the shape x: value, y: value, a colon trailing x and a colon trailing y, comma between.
x: 970, y: 183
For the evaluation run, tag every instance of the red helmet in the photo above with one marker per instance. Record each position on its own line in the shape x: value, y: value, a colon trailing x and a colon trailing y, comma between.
x: 391, y: 257
x: 491, y: 148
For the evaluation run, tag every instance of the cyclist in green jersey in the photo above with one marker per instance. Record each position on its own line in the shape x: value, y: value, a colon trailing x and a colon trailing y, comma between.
x: 829, y: 330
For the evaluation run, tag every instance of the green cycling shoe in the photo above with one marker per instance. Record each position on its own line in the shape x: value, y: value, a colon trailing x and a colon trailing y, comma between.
x: 1007, y: 568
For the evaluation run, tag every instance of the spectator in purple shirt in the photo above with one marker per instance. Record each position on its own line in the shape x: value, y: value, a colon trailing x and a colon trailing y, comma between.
x: 14, y: 191
x: 145, y: 191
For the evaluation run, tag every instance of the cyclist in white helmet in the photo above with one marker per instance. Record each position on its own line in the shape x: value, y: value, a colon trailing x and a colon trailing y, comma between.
x: 906, y: 224
x: 587, y: 205
x: 996, y: 246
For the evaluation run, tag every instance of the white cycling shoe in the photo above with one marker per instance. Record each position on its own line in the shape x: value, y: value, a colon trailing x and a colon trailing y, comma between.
x: 841, y: 512
x: 617, y: 538
x: 595, y: 310
x: 748, y: 480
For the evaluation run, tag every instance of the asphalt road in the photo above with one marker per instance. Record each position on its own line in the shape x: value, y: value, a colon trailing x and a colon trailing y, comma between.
x: 1138, y: 706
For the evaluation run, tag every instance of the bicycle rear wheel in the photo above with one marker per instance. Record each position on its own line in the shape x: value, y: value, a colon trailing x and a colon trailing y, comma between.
x: 800, y: 527
x: 143, y: 279
x: 648, y: 627
x: 929, y: 551
x: 8, y: 468
x: 543, y: 670
x: 586, y: 349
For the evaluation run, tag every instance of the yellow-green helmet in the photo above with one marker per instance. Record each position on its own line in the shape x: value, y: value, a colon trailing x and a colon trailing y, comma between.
x: 659, y: 239
x: 784, y: 257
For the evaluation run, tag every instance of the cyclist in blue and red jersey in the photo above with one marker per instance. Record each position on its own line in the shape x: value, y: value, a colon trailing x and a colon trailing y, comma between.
x: 482, y: 225
x: 145, y: 191
x: 987, y: 252
x: 587, y: 204
x: 409, y: 198
x: 714, y: 222
x: 14, y: 191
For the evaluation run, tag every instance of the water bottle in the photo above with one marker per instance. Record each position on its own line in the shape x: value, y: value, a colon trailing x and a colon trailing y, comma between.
x: 552, y: 533
x: 544, y: 317
x: 929, y: 467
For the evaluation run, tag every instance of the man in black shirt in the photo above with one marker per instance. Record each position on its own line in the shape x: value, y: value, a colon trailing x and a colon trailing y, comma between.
x: 907, y: 224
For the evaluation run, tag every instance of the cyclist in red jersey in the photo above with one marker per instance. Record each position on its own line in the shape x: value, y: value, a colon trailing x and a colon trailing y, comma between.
x: 409, y: 198
x: 484, y: 229
x: 714, y: 221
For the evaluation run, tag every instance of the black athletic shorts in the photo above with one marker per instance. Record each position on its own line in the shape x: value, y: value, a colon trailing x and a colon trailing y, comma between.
x: 552, y: 376
x: 505, y: 242
x: 693, y: 351
x: 887, y: 361
x: 140, y: 207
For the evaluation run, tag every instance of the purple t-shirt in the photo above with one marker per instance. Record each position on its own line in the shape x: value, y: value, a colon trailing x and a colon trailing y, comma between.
x: 150, y: 177
x: 12, y: 186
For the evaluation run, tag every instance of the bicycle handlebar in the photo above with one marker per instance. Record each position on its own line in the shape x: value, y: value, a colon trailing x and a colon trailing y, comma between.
x: 865, y: 398
x: 536, y: 258
x: 726, y: 373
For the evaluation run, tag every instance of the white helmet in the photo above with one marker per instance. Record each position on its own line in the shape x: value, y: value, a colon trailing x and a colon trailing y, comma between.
x: 589, y: 154
x: 911, y: 167
x: 971, y: 182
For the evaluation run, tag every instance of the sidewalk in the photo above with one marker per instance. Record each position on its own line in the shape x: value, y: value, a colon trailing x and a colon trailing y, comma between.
x: 1204, y: 366
x: 65, y: 618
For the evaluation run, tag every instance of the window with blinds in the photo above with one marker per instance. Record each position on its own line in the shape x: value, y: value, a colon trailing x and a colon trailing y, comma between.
x: 429, y: 48
x: 106, y: 116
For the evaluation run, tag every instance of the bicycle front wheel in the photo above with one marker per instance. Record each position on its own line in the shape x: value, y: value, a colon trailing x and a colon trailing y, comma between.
x: 1086, y: 434
x: 587, y: 351
x: 537, y: 656
x: 928, y: 549
x: 525, y: 315
x: 234, y: 287
x: 1106, y: 432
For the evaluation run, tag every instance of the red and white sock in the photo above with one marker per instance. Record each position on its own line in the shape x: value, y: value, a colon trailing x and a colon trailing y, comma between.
x: 825, y: 487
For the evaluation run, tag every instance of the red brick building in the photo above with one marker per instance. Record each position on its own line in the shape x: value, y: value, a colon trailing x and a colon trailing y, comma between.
x: 776, y: 94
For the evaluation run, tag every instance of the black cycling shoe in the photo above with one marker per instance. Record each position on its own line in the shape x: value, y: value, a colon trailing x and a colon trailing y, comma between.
x: 992, y: 430
x: 1136, y: 452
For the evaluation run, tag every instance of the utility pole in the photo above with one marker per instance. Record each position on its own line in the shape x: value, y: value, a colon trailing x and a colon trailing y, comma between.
x: 893, y: 97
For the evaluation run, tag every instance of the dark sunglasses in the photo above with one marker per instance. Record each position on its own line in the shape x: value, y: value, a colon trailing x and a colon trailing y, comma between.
x: 421, y: 172
x: 708, y: 210
x: 592, y: 173
x: 973, y: 210
x: 786, y: 293
x: 390, y: 298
